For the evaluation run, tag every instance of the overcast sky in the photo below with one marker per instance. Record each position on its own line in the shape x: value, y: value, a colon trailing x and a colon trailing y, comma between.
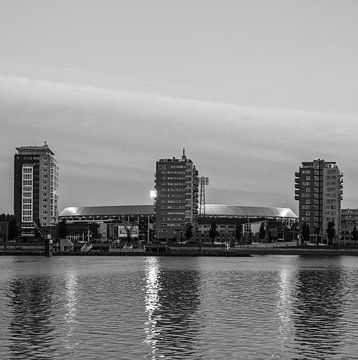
x: 250, y: 89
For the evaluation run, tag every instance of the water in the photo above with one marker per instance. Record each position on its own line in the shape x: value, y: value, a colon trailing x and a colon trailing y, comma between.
x: 264, y: 307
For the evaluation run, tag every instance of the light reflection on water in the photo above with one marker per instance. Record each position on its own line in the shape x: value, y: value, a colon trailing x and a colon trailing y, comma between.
x: 284, y: 307
x: 152, y: 303
x: 70, y: 310
x: 277, y: 307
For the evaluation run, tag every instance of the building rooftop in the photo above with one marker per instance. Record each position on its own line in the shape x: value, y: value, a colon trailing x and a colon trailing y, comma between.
x: 210, y: 210
x: 34, y: 149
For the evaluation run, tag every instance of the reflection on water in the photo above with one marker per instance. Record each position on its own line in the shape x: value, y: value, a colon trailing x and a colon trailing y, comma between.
x: 318, y: 309
x: 30, y: 326
x: 172, y: 298
x: 284, y: 307
x: 70, y: 311
x: 264, y: 307
x: 152, y: 303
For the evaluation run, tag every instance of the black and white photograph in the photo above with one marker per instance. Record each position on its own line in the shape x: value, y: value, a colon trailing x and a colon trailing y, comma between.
x: 178, y: 179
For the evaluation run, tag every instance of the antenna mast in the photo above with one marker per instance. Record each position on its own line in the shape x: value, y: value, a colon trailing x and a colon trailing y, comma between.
x: 203, y: 181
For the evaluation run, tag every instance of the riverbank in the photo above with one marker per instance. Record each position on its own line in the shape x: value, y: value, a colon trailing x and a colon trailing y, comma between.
x: 195, y: 251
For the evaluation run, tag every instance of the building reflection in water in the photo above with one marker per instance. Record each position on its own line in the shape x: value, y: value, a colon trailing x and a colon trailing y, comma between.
x: 70, y: 310
x: 284, y: 306
x: 172, y: 299
x: 31, y: 331
x: 318, y: 310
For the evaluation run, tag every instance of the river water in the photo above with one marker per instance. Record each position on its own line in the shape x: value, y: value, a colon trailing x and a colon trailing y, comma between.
x: 263, y: 307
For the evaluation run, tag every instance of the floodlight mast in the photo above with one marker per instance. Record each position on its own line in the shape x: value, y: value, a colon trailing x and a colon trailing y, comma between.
x: 203, y: 181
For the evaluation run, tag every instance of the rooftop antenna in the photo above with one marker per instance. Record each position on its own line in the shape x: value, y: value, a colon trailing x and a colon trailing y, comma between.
x: 184, y: 157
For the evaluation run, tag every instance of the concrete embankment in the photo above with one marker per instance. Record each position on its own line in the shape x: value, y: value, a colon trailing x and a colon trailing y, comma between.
x: 232, y: 252
x: 298, y: 251
x: 194, y: 251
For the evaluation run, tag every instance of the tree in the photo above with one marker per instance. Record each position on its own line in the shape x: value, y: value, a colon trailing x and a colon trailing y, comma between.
x: 331, y: 232
x: 305, y: 233
x: 188, y: 231
x: 62, y: 231
x: 128, y: 227
x: 354, y: 234
x: 12, y: 228
x: 213, y: 232
x: 129, y: 234
x: 238, y: 232
x: 294, y: 230
x: 12, y: 225
x: 262, y: 231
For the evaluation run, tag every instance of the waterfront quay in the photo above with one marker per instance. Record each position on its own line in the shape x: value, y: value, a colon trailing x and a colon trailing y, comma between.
x: 159, y: 249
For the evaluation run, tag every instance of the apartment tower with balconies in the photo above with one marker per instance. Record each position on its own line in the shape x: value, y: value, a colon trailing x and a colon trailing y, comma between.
x: 35, y: 189
x: 176, y: 203
x: 319, y: 190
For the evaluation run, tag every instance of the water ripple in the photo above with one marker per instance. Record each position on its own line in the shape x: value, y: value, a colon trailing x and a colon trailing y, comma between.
x: 273, y: 307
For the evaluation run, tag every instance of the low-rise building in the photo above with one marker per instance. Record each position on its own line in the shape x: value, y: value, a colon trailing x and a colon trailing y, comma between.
x: 349, y: 220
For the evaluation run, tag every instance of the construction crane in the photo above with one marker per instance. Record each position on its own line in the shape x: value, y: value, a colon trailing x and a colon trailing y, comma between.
x: 203, y: 181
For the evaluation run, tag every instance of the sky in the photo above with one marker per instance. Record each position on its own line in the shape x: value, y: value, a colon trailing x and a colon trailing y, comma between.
x: 250, y: 88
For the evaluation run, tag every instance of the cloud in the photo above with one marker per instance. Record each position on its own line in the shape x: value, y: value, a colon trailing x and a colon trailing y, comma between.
x: 107, y: 142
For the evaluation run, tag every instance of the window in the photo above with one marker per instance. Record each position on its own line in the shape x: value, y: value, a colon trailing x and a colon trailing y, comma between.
x: 308, y: 178
x: 308, y: 201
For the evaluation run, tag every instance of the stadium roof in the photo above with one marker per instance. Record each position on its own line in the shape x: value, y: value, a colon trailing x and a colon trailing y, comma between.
x: 210, y: 210
x: 108, y: 210
x: 242, y: 211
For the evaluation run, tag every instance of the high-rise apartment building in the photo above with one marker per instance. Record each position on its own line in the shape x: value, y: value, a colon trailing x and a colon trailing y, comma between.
x: 319, y: 190
x: 35, y: 188
x: 176, y: 205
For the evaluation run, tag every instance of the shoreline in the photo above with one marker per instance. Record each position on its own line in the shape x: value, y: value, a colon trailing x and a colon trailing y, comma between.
x: 181, y: 251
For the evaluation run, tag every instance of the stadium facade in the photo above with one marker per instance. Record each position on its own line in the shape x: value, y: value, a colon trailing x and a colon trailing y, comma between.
x: 137, y: 222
